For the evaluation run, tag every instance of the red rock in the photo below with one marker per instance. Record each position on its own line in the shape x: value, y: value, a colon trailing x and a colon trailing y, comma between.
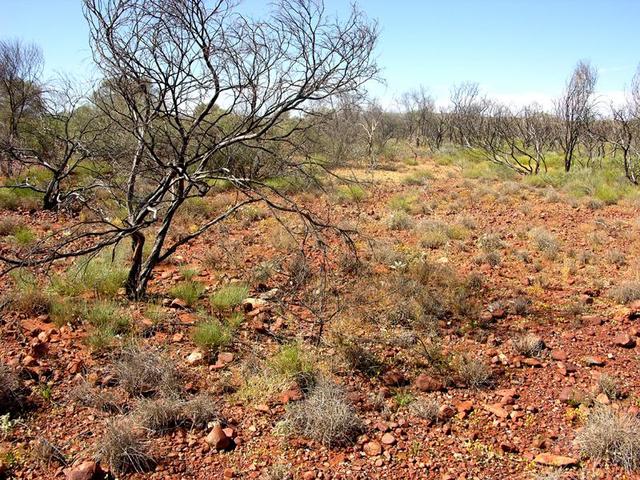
x: 497, y: 410
x: 445, y: 412
x: 225, y: 357
x: 85, y: 471
x: 532, y: 362
x: 555, y: 460
x: 372, y: 449
x: 498, y: 313
x: 228, y: 473
x: 624, y: 340
x: 592, y: 361
x: 218, y: 439
x: 179, y: 304
x: 507, y: 447
x: 559, y: 355
x: 308, y: 475
x: 388, y: 439
x: 593, y: 320
x: 28, y: 361
x: 393, y: 378
x: 426, y: 383
x: 602, y: 399
x: 464, y: 408
x: 291, y: 395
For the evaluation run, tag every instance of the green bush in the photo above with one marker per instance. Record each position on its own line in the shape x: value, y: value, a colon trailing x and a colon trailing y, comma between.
x: 229, y: 296
x: 188, y: 291
x: 210, y: 335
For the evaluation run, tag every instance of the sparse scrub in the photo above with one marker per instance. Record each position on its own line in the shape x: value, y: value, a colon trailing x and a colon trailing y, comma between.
x: 472, y: 371
x: 428, y: 409
x: 211, y: 335
x: 545, y: 242
x: 188, y: 291
x: 612, y: 437
x: 142, y: 372
x: 94, y: 397
x: 400, y: 220
x: 229, y: 296
x: 626, y: 292
x: 358, y: 357
x: 28, y: 296
x: 528, y: 344
x: 164, y: 414
x: 324, y: 416
x: 609, y: 385
x: 10, y: 389
x: 351, y: 193
x: 124, y: 448
x: 8, y: 226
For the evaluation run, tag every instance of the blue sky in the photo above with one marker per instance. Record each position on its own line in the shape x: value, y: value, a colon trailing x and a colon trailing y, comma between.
x: 518, y: 50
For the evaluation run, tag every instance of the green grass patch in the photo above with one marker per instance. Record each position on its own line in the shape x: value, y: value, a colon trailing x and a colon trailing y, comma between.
x: 229, y: 296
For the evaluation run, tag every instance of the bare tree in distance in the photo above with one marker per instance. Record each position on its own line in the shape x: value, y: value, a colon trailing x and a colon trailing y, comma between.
x: 21, y: 66
x: 468, y: 105
x: 188, y: 81
x: 64, y: 135
x: 575, y: 108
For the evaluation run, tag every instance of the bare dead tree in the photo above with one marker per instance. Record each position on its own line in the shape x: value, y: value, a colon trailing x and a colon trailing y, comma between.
x: 186, y: 82
x: 575, y: 108
x: 20, y: 93
x: 468, y: 107
x: 59, y: 142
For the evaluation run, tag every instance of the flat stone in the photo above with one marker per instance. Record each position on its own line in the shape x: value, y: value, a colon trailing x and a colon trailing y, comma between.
x: 555, y: 460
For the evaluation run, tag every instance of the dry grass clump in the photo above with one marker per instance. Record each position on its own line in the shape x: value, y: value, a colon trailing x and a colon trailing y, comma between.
x: 428, y: 409
x: 400, y: 220
x: 164, y: 414
x: 93, y: 397
x: 529, y: 345
x: 612, y: 437
x: 608, y: 385
x: 124, y: 448
x: 10, y: 389
x: 472, y: 371
x: 545, y: 242
x: 46, y: 453
x: 324, y: 416
x: 357, y: 357
x: 142, y: 372
x: 626, y: 292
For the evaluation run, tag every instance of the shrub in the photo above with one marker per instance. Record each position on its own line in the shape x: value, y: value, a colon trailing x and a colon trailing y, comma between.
x: 292, y: 362
x: 10, y: 389
x: 358, y: 357
x: 626, y: 292
x: 210, y: 335
x: 400, y: 220
x: 418, y: 177
x: 107, y: 315
x: 428, y: 409
x: 93, y: 397
x: 403, y: 202
x: 164, y: 414
x: 324, y: 416
x: 27, y: 296
x: 529, y: 345
x: 188, y: 291
x: 147, y: 371
x: 472, y: 371
x: 46, y: 453
x: 351, y: 193
x: 65, y: 310
x: 124, y: 449
x: 490, y: 242
x: 104, y: 275
x: 229, y: 296
x: 545, y: 242
x: 8, y: 226
x: 612, y: 437
x: 24, y: 236
x: 609, y: 386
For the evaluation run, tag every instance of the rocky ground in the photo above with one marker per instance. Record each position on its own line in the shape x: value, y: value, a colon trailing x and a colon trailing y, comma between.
x: 530, y: 326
